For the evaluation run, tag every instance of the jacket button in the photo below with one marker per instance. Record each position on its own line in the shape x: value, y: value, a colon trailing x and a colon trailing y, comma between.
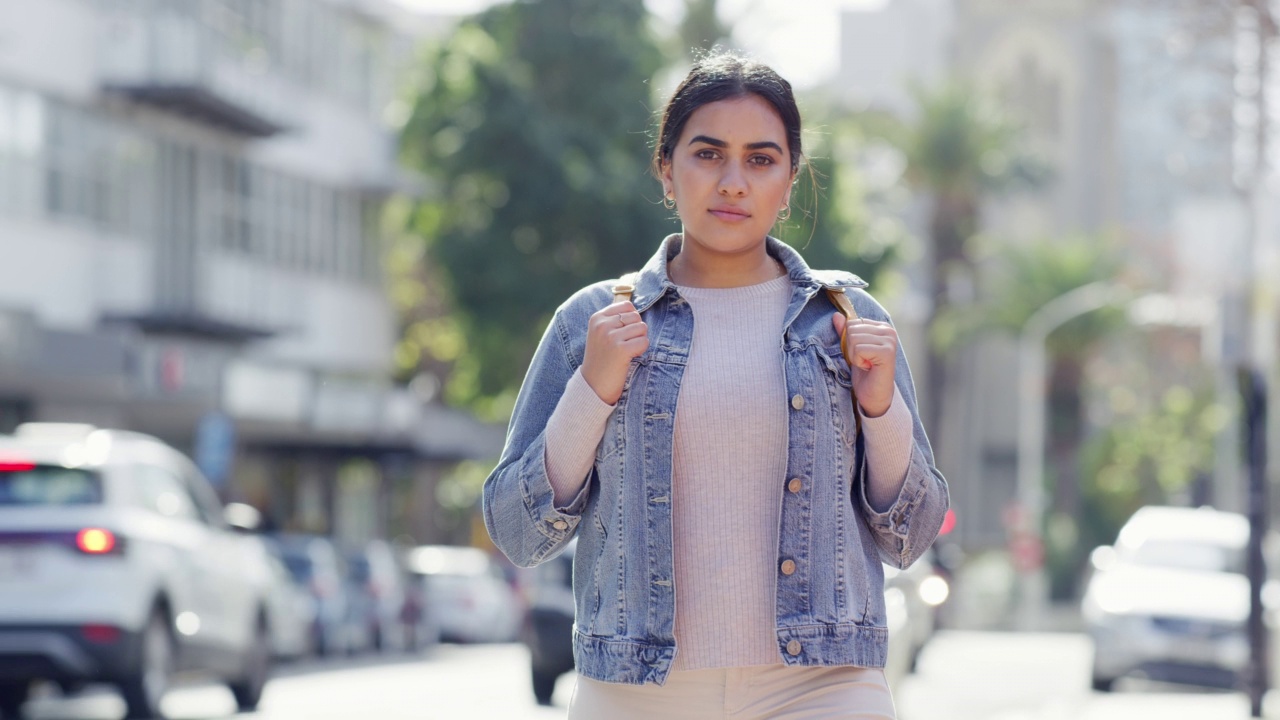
x: 793, y: 648
x: 789, y: 568
x: 795, y: 485
x: 560, y: 525
x: 797, y: 402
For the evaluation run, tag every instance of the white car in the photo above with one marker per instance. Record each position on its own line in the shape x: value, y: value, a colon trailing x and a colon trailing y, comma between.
x: 118, y: 565
x: 466, y: 597
x: 1169, y: 602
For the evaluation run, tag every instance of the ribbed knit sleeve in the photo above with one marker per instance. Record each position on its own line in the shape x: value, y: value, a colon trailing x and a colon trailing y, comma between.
x: 889, y: 443
x: 574, y: 432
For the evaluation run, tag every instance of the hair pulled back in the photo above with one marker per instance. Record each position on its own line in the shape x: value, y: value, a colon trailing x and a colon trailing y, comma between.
x: 723, y: 75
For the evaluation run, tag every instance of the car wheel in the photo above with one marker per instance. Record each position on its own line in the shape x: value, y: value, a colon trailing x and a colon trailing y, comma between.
x: 13, y: 695
x: 544, y: 685
x: 1102, y: 684
x: 145, y: 687
x: 257, y: 668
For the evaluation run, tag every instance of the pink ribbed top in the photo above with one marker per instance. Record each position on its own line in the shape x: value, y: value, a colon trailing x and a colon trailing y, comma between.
x: 729, y: 471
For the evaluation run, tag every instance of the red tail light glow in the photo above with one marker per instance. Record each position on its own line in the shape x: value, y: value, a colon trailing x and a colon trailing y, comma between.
x: 95, y: 541
x: 100, y: 633
x: 9, y: 463
x: 948, y: 522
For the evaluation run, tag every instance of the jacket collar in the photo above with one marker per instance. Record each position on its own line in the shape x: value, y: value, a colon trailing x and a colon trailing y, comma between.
x: 652, y: 281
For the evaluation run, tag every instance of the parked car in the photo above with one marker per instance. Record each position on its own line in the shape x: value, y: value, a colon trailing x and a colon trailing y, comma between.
x: 548, y: 622
x: 291, y: 613
x: 376, y: 587
x: 465, y: 593
x: 118, y: 564
x: 1170, y: 600
x: 316, y: 565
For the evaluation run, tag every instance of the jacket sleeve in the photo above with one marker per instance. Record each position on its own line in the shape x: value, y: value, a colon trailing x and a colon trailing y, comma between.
x: 518, y: 502
x: 906, y: 529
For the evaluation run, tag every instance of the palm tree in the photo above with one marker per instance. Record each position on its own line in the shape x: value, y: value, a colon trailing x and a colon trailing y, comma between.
x: 959, y: 150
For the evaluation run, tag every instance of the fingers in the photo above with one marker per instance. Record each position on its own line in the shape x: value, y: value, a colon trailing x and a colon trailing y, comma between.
x: 867, y: 343
x: 619, y: 326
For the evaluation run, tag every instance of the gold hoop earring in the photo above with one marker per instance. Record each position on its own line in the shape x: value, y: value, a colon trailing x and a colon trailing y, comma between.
x: 785, y: 215
x: 669, y: 202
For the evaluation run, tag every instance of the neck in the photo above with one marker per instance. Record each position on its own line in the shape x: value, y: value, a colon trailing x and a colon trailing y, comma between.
x: 696, y: 266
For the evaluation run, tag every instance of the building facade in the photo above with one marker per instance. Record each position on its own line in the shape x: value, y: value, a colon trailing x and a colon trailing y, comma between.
x: 190, y: 196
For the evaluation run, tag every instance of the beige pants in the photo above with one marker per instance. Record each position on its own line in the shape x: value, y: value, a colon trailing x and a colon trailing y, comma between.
x: 765, y: 692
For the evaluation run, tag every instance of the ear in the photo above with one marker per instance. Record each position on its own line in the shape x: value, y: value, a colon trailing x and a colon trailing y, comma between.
x: 786, y: 199
x: 668, y: 185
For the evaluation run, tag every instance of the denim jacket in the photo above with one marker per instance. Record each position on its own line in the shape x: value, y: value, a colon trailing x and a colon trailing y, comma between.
x: 830, y: 610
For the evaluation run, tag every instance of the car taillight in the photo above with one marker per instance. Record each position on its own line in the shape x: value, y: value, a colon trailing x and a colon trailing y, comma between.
x: 96, y: 541
x: 8, y: 463
x: 948, y: 522
x: 100, y: 633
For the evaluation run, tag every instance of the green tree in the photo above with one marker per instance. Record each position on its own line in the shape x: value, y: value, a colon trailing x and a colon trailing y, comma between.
x: 530, y: 123
x: 1157, y: 438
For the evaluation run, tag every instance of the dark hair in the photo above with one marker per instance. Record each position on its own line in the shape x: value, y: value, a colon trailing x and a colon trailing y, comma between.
x: 722, y: 75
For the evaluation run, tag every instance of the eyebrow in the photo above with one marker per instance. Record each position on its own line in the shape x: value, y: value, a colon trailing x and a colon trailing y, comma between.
x: 722, y: 144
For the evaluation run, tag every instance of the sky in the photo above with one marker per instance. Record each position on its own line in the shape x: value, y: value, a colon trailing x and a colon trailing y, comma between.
x: 798, y: 38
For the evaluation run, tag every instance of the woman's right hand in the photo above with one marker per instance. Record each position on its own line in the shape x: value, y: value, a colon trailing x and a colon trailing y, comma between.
x: 615, y: 335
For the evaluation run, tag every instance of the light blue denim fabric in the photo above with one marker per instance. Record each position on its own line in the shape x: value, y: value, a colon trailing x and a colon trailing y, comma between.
x: 830, y: 611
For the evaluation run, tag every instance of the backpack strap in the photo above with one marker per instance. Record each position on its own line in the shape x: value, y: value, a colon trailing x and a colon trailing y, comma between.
x: 842, y: 302
x: 625, y: 286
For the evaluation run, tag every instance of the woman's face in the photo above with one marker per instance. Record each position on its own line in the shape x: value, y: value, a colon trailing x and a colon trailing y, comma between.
x: 730, y: 174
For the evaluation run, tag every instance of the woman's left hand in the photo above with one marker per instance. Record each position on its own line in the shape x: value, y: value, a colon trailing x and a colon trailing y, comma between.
x: 871, y: 350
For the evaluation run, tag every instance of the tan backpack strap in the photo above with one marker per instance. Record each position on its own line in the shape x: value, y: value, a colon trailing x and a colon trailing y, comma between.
x: 845, y: 306
x: 625, y: 286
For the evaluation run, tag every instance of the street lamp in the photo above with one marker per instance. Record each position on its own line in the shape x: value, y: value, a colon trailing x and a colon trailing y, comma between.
x: 1032, y: 371
x: 1150, y: 309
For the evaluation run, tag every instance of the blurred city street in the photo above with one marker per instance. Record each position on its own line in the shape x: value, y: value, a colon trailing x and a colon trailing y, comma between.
x: 275, y: 270
x: 961, y: 676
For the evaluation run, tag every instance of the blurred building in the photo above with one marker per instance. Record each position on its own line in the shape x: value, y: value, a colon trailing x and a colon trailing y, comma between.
x: 190, y: 195
x: 1132, y: 105
x: 886, y: 50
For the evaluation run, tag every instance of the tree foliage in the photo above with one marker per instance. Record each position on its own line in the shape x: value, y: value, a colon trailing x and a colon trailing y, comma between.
x: 531, y: 124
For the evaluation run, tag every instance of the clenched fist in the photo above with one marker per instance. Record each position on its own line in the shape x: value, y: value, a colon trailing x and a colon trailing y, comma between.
x: 871, y: 348
x: 615, y: 335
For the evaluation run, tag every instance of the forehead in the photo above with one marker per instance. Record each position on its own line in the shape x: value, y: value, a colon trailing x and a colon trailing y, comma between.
x: 740, y: 120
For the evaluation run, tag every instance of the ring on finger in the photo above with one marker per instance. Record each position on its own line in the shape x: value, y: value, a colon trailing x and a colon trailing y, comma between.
x: 621, y: 322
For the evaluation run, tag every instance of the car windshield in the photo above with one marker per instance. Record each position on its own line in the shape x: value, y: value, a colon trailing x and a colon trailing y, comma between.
x: 49, y: 485
x: 1183, y: 554
x: 358, y: 569
x: 300, y: 567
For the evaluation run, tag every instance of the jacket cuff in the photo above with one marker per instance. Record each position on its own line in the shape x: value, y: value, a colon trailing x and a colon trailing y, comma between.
x: 896, y: 520
x: 538, y: 498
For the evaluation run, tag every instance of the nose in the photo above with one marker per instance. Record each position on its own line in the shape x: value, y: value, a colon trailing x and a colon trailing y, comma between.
x: 733, y: 181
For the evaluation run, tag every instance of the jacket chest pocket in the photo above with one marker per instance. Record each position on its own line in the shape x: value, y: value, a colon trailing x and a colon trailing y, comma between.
x: 838, y: 379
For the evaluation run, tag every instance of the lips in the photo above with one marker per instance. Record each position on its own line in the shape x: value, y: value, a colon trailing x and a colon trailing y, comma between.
x: 730, y: 214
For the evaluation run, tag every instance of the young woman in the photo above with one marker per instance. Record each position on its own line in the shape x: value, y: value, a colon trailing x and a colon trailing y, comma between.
x: 701, y: 440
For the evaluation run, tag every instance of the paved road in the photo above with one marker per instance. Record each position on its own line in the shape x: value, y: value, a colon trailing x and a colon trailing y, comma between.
x: 1029, y: 676
x: 961, y: 676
